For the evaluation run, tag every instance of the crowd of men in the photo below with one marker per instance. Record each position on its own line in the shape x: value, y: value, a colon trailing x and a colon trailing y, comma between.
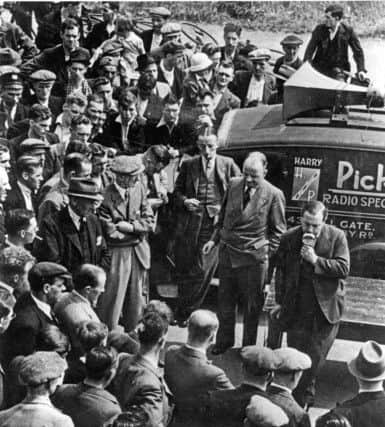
x: 110, y: 183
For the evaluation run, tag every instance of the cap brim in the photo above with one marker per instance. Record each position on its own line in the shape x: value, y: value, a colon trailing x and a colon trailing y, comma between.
x: 87, y: 196
x: 356, y: 373
x: 137, y: 172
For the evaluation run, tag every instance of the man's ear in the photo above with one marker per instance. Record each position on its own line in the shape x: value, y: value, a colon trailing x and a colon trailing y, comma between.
x: 46, y: 287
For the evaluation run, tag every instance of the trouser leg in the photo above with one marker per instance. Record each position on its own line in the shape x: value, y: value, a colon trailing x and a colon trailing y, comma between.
x: 252, y: 280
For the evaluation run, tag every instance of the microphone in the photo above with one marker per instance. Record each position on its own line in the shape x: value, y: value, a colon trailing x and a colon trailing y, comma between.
x: 308, y: 239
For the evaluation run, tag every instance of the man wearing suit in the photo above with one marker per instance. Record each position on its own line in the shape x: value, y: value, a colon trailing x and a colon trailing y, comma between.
x: 231, y: 35
x: 329, y: 45
x: 34, y: 309
x: 224, y: 99
x: 79, y: 305
x: 199, y: 374
x: 152, y: 39
x: 251, y: 222
x: 56, y: 59
x: 138, y: 380
x: 257, y: 86
x: 291, y: 364
x: 29, y: 174
x: 73, y: 236
x: 227, y: 407
x: 367, y: 408
x: 127, y: 219
x: 311, y: 264
x: 88, y: 403
x: 199, y: 191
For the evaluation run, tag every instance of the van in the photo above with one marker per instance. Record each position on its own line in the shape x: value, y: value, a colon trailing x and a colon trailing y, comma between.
x: 339, y: 160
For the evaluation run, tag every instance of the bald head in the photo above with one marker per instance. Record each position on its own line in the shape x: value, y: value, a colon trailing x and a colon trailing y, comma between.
x: 202, y: 326
x: 254, y: 169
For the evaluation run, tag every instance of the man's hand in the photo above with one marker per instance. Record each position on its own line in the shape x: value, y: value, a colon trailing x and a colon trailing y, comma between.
x: 207, y: 247
x: 192, y: 204
x: 308, y: 254
x: 125, y: 227
x: 275, y: 312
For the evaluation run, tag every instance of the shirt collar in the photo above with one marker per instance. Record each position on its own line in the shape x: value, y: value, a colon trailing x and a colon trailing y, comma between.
x: 150, y: 361
x: 75, y: 217
x: 24, y: 189
x: 200, y: 350
x: 334, y: 32
x: 84, y: 299
x: 42, y: 306
x: 281, y: 387
x: 40, y: 400
x: 121, y: 190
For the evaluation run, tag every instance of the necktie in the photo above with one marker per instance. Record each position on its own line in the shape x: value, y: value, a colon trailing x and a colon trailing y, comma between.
x: 209, y: 167
x: 246, y: 197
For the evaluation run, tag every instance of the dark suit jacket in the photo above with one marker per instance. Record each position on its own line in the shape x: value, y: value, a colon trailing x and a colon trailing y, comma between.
x: 365, y: 409
x: 97, y: 36
x: 86, y: 405
x: 137, y: 382
x: 199, y: 376
x: 250, y: 234
x: 20, y: 114
x: 317, y: 49
x: 140, y: 215
x: 154, y: 108
x: 15, y: 199
x: 235, y: 57
x: 61, y: 244
x: 282, y: 398
x: 52, y: 59
x: 112, y: 136
x: 226, y: 408
x: 240, y: 86
x: 227, y: 102
x: 177, y: 86
x: 331, y: 268
x: 25, y: 327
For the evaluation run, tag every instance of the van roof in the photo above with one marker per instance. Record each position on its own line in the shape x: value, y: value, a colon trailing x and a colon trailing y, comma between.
x: 264, y: 125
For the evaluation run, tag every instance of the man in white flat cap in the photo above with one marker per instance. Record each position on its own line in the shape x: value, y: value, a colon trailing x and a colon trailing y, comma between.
x: 257, y: 86
x: 152, y: 38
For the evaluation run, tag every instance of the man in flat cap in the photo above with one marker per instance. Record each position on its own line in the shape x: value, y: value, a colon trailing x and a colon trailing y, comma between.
x: 56, y: 59
x: 108, y: 68
x: 169, y: 71
x: 257, y: 86
x: 42, y: 82
x: 286, y: 65
x: 127, y: 219
x: 41, y: 373
x: 152, y: 38
x: 227, y: 407
x: 366, y: 409
x: 328, y: 47
x: 171, y: 32
x: 291, y: 364
x: 73, y: 236
x: 29, y: 175
x: 34, y: 309
x: 11, y: 90
x: 261, y: 412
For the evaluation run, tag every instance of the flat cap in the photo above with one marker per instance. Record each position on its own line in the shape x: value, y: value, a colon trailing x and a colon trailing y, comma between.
x: 259, y: 360
x: 27, y: 160
x: 172, y: 47
x: 127, y: 165
x: 259, y: 55
x: 43, y: 76
x: 100, y: 81
x: 80, y: 55
x: 109, y: 61
x: 40, y: 367
x: 86, y: 188
x: 291, y: 359
x: 160, y: 11
x: 46, y: 270
x: 10, y: 76
x: 263, y: 412
x: 291, y: 40
x: 33, y: 144
x: 9, y: 56
x: 171, y: 28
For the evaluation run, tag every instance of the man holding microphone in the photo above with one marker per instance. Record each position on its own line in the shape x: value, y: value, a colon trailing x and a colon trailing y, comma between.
x: 311, y: 262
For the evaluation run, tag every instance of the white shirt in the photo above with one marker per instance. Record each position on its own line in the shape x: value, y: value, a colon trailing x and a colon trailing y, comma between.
x: 206, y: 163
x: 84, y: 299
x: 255, y: 91
x: 122, y: 191
x: 75, y: 218
x: 333, y: 33
x: 156, y: 40
x: 43, y: 306
x: 168, y: 75
x: 281, y: 386
x: 27, y: 195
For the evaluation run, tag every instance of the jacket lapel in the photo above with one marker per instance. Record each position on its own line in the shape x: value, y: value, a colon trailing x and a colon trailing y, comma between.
x: 117, y: 202
x: 195, y: 172
x: 70, y: 230
x: 219, y: 168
